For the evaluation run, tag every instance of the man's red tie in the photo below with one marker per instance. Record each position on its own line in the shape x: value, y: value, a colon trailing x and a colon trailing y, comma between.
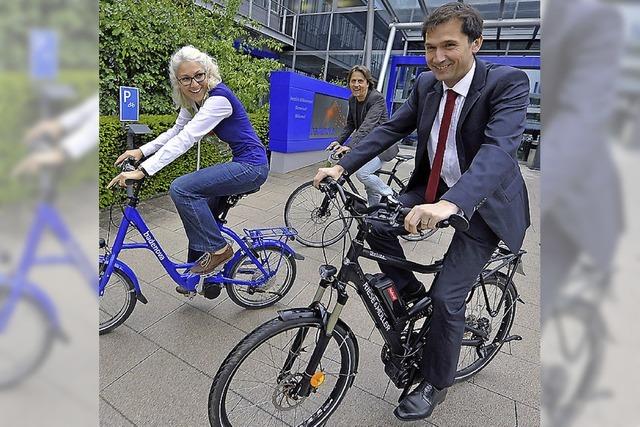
x: 436, y: 167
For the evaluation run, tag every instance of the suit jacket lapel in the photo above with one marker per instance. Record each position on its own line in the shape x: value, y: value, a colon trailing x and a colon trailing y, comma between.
x: 478, y: 82
x: 431, y: 106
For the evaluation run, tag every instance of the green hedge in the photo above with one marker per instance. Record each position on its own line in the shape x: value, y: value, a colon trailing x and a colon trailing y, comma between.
x: 113, y: 143
x: 19, y: 109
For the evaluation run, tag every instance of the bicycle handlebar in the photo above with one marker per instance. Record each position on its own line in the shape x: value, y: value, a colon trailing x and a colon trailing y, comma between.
x: 128, y: 165
x: 457, y: 221
x: 393, y: 207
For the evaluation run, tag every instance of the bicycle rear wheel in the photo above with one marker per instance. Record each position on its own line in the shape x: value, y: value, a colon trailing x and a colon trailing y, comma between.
x: 318, y: 219
x: 473, y: 358
x: 251, y: 387
x: 273, y: 259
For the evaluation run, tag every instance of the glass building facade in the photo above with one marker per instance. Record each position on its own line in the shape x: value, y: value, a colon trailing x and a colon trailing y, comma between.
x: 324, y: 38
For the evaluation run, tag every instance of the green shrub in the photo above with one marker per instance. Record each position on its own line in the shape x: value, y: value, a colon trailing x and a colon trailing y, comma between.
x: 113, y: 143
x: 138, y: 37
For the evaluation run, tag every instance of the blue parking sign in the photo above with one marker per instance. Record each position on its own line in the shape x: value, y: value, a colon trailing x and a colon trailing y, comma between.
x: 43, y: 54
x: 129, y: 105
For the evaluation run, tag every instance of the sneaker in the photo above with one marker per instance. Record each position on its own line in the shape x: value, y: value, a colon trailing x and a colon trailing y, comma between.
x: 209, y: 261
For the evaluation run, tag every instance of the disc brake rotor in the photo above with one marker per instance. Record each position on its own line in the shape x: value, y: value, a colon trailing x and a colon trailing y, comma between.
x: 284, y: 397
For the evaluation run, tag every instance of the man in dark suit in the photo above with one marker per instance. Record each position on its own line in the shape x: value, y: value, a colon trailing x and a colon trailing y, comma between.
x: 367, y: 110
x: 470, y: 117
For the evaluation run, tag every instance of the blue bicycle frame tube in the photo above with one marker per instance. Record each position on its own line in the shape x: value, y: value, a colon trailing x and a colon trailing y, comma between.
x: 46, y: 216
x: 185, y: 280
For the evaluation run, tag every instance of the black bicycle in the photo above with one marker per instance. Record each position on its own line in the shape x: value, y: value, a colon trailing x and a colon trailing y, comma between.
x: 320, y: 223
x: 297, y: 368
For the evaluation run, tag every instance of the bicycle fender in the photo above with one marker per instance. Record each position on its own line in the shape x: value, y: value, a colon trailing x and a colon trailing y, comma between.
x: 282, y: 246
x: 304, y: 313
x: 131, y: 275
x: 31, y: 290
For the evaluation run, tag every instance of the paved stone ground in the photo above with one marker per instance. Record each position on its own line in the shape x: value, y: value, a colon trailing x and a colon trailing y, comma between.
x: 158, y: 367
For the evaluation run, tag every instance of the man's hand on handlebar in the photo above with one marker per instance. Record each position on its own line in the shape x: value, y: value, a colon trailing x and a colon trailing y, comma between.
x: 426, y: 216
x: 136, y: 154
x: 334, y: 172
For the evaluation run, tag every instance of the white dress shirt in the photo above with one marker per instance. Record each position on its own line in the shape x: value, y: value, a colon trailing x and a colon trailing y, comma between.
x: 185, y: 133
x: 450, y: 165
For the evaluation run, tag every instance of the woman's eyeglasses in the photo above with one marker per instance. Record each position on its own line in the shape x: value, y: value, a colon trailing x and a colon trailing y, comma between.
x: 186, y: 81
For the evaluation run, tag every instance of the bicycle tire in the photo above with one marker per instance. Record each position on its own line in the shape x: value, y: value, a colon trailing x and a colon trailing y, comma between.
x: 564, y: 397
x: 219, y: 413
x: 123, y: 312
x: 240, y: 295
x: 14, y: 339
x: 500, y: 282
x: 302, y: 212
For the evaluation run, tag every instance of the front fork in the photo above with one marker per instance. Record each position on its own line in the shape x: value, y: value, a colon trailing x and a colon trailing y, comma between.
x: 304, y: 387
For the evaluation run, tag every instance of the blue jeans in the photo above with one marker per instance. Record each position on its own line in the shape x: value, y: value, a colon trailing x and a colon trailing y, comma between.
x: 194, y: 193
x: 374, y: 186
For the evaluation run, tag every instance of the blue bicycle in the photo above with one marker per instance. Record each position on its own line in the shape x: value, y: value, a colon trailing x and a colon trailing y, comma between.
x: 259, y: 274
x: 29, y: 320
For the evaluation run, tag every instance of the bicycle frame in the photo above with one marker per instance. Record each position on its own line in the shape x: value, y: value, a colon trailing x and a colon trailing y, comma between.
x: 47, y: 217
x: 351, y: 272
x: 188, y: 281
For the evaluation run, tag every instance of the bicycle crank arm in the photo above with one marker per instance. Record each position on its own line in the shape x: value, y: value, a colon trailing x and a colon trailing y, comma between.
x: 513, y: 338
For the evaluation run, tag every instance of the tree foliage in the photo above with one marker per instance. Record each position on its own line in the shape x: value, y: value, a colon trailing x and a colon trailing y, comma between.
x: 137, y: 38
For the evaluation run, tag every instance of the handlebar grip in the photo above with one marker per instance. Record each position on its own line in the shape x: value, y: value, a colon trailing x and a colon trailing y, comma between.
x: 457, y: 221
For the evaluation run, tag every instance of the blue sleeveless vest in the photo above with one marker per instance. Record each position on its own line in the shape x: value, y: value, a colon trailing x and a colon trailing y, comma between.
x: 236, y: 130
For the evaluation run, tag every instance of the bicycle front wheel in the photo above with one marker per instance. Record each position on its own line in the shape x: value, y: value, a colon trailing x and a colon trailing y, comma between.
x: 485, y: 313
x: 117, y: 301
x: 26, y: 336
x: 318, y: 219
x: 253, y: 388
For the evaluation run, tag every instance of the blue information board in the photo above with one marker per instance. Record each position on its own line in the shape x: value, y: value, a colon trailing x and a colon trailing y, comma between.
x: 306, y: 114
x: 43, y: 54
x: 129, y: 104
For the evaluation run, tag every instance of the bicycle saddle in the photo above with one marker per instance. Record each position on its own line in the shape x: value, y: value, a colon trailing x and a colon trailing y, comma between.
x: 403, y: 157
x: 248, y: 192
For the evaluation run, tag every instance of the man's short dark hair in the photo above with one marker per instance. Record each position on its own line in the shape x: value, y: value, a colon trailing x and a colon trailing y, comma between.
x: 365, y: 72
x: 467, y: 14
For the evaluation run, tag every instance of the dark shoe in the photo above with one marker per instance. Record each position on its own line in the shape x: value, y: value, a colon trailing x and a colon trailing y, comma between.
x: 420, y: 403
x: 208, y: 262
x: 210, y: 291
x: 181, y: 290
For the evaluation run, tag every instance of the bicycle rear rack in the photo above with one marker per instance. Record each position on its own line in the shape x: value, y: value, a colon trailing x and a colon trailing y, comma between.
x: 281, y: 234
